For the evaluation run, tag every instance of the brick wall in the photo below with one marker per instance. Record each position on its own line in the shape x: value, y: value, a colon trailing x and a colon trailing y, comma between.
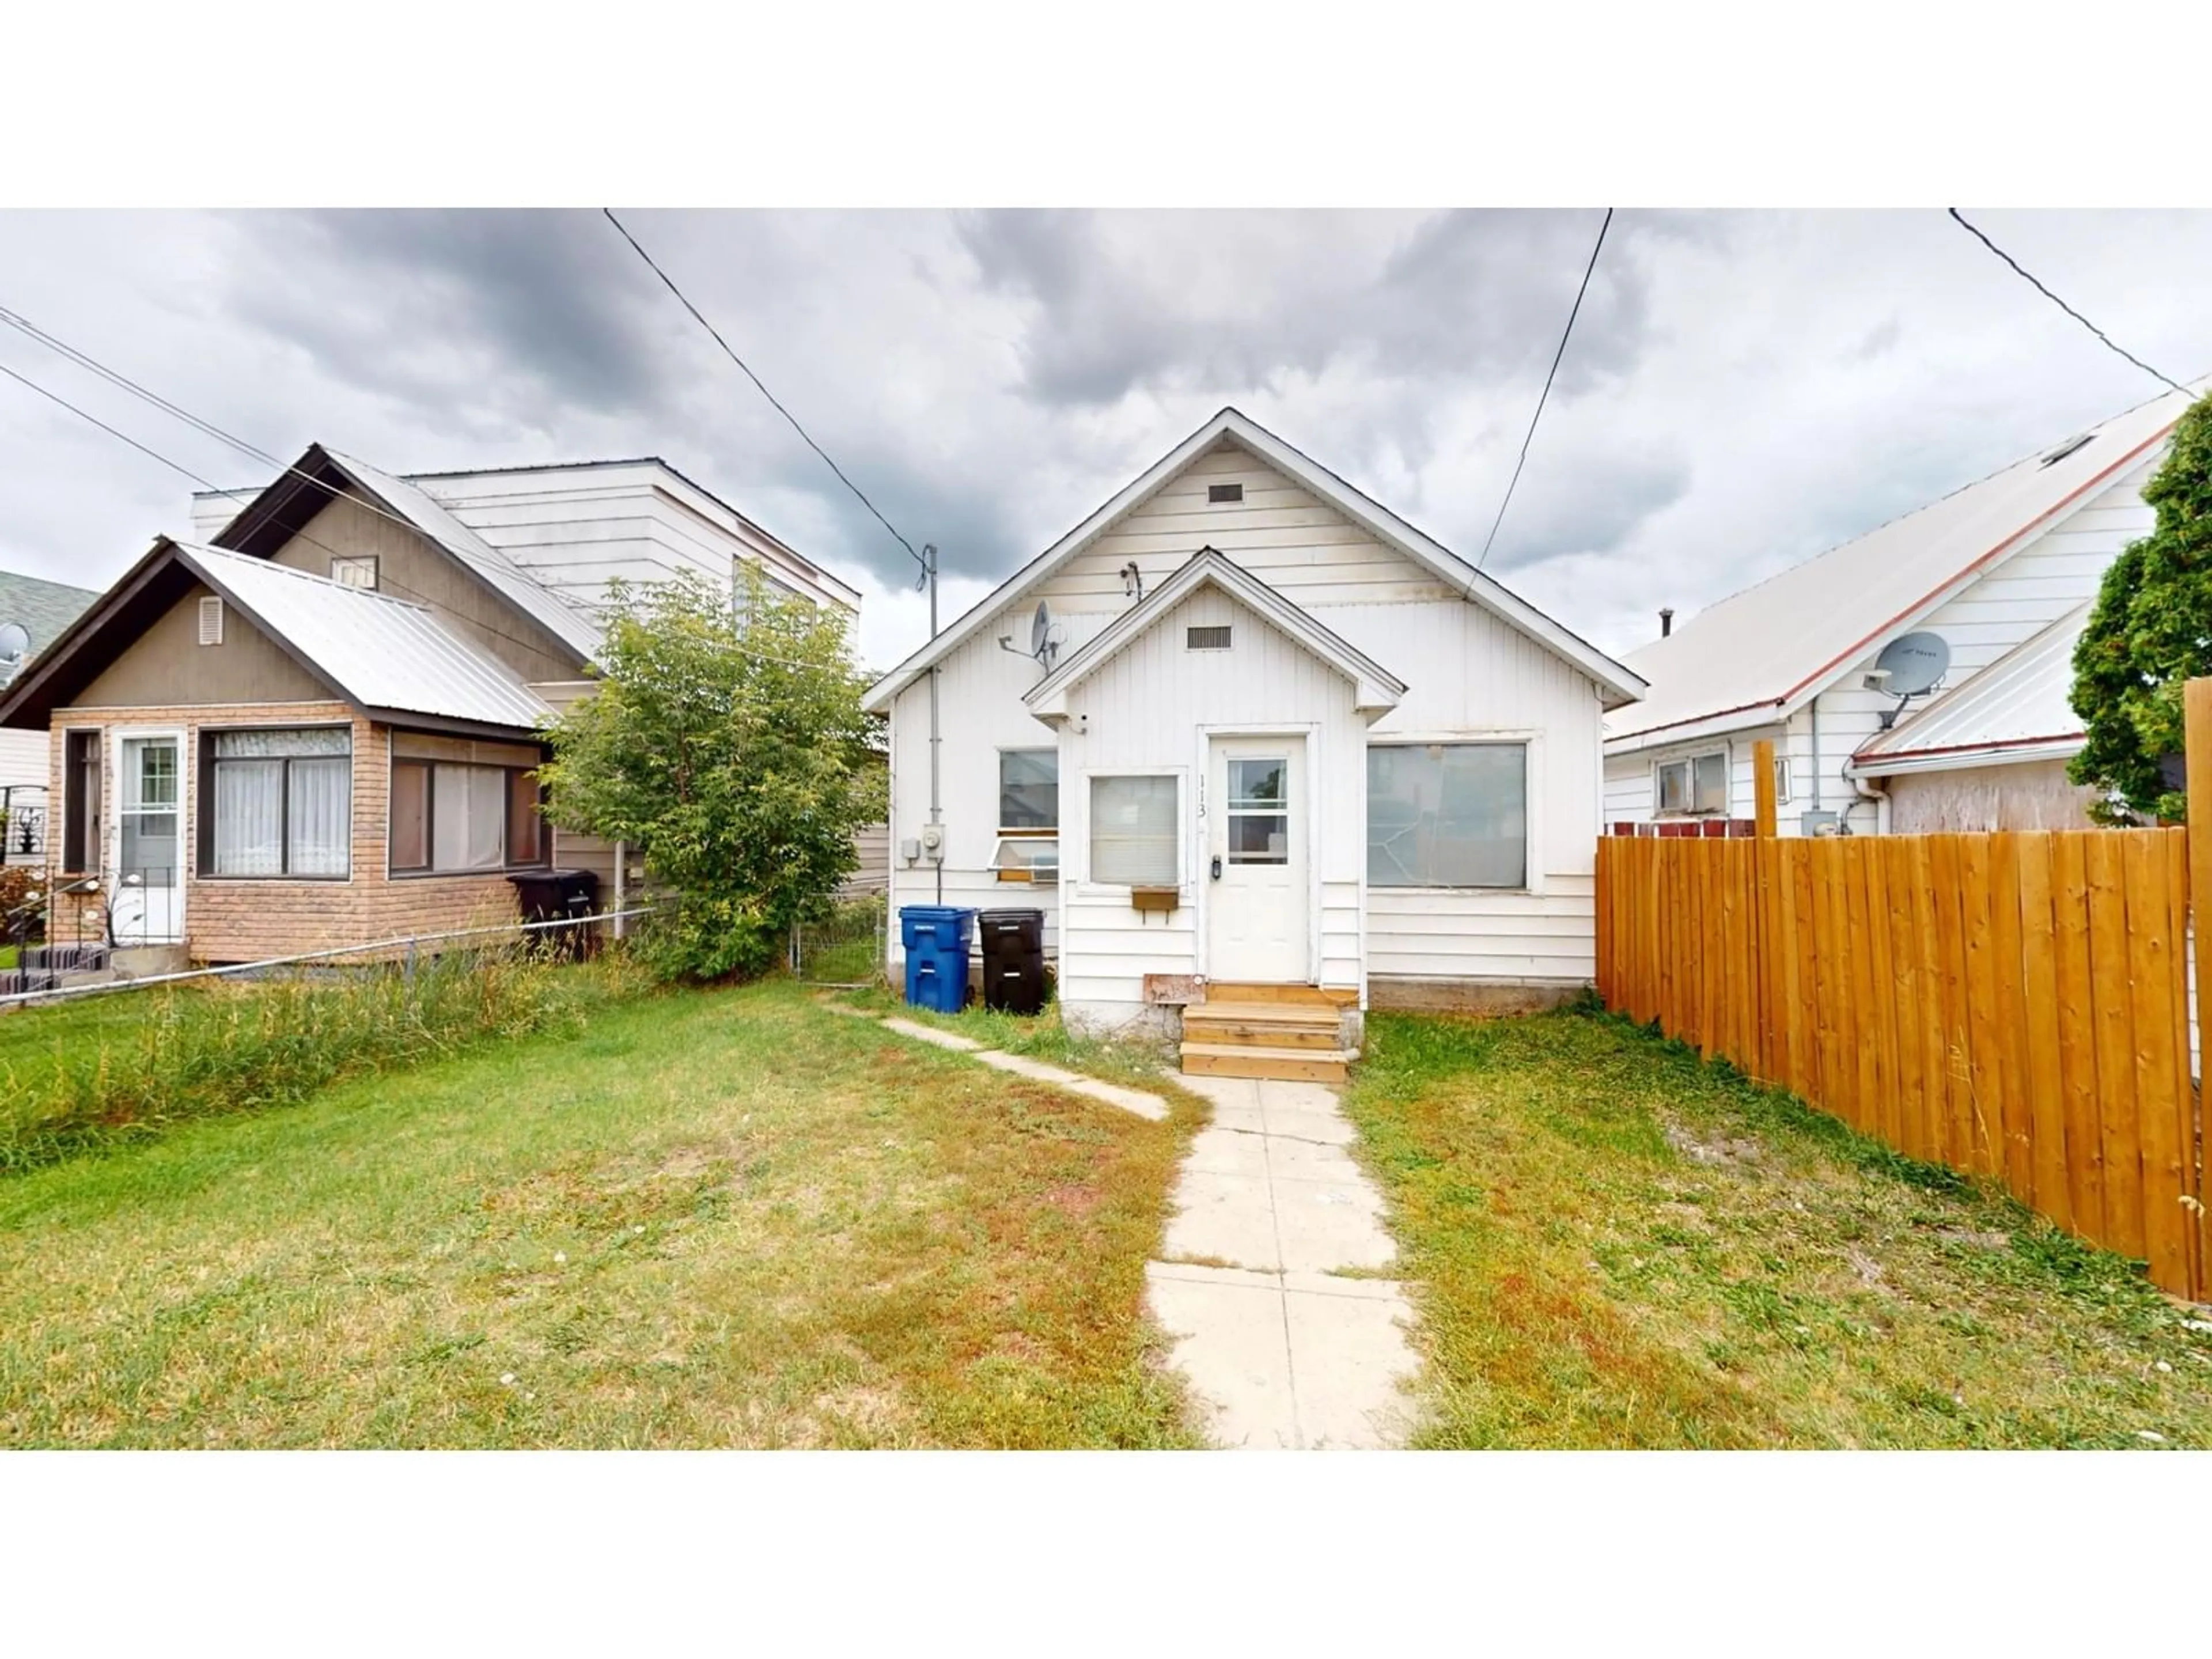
x: 247, y: 920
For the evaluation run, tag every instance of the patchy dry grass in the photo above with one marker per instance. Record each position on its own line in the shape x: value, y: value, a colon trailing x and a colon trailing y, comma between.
x: 1615, y: 1245
x: 712, y: 1218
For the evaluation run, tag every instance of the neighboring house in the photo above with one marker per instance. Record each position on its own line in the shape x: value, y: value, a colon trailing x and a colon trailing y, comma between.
x: 1991, y: 753
x: 319, y: 728
x: 33, y: 614
x: 1278, y: 739
x: 1989, y: 568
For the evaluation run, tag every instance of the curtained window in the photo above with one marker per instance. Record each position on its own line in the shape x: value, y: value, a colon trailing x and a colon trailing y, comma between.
x: 450, y: 818
x: 1134, y: 837
x: 281, y: 802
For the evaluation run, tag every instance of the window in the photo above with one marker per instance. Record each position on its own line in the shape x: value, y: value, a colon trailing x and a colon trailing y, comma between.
x: 1448, y: 815
x: 280, y: 802
x: 1781, y: 779
x: 1696, y: 783
x: 80, y: 777
x: 449, y: 817
x: 1258, y: 810
x: 1133, y: 832
x: 1029, y: 816
x: 355, y: 572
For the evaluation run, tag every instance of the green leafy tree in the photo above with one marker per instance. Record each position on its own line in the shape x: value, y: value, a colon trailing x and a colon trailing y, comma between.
x: 2149, y: 631
x: 726, y: 745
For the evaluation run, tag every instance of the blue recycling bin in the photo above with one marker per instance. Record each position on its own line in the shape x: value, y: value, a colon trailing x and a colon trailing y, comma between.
x: 936, y: 938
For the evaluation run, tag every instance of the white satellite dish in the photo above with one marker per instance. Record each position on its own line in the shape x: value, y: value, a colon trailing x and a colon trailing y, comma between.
x: 1910, y: 665
x: 14, y: 642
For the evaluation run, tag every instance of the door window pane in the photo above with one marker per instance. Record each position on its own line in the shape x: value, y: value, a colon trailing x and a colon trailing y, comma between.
x: 1258, y: 838
x: 1257, y: 782
x: 1133, y: 831
x: 1448, y: 815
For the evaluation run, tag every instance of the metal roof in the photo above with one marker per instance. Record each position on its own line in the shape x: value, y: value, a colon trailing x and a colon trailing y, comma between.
x: 558, y: 617
x: 2019, y: 707
x: 1757, y: 656
x: 382, y: 653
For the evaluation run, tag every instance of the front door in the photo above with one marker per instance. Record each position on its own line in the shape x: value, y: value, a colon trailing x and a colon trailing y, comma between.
x: 146, y: 894
x: 1256, y: 861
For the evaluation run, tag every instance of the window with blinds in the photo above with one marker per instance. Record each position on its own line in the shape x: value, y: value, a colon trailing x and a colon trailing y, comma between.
x: 1133, y: 840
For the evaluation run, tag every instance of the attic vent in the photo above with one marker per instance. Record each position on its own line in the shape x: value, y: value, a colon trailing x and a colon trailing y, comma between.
x: 211, y: 620
x: 2067, y: 448
x: 1207, y: 639
x: 1225, y: 492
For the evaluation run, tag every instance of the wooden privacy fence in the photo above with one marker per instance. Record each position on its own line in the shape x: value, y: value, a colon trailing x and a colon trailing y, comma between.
x: 2013, y: 1005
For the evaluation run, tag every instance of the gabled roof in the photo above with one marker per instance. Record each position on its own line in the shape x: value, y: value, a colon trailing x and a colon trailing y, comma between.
x: 2018, y: 708
x: 393, y: 660
x: 1375, y: 690
x: 1761, y: 654
x: 44, y: 610
x: 283, y: 509
x: 1619, y: 683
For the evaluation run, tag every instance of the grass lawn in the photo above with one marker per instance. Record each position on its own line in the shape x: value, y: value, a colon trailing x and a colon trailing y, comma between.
x: 710, y: 1218
x: 1613, y: 1245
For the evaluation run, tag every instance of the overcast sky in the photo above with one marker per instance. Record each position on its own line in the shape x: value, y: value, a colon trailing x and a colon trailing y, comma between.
x: 1742, y: 389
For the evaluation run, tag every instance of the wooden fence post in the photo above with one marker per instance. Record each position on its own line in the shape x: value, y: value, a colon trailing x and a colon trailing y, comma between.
x: 2197, y: 737
x: 1762, y: 786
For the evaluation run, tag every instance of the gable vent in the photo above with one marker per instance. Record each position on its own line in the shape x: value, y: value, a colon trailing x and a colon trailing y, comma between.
x: 1207, y: 639
x: 1225, y: 492
x: 211, y: 620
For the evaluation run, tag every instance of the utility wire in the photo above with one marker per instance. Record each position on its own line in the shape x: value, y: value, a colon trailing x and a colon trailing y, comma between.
x: 1566, y: 335
x: 2110, y: 342
x: 183, y: 470
x: 669, y: 283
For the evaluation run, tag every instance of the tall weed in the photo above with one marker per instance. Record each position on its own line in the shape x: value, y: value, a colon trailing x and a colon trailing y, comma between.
x: 240, y: 1046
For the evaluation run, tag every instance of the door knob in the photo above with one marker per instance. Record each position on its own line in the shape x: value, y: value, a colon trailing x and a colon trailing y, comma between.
x: 1217, y: 868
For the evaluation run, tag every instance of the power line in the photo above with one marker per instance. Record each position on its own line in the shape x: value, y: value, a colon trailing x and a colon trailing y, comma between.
x: 2109, y: 342
x: 669, y: 283
x: 183, y: 470
x: 1566, y: 335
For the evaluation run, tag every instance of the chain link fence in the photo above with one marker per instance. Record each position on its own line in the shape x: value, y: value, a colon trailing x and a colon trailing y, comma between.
x: 846, y: 948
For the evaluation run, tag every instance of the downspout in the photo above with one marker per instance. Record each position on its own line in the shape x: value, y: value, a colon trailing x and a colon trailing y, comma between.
x: 936, y: 738
x: 622, y: 886
x: 1813, y: 708
x: 1880, y: 797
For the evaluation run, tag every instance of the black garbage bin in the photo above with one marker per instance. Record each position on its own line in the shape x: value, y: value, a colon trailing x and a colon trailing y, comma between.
x: 556, y: 895
x: 1013, y: 960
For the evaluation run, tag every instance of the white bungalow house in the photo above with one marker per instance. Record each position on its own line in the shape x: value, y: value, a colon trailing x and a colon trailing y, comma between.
x: 1997, y: 571
x: 1274, y: 751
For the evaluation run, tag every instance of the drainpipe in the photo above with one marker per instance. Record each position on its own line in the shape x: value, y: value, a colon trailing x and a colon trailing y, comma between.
x: 936, y: 738
x: 1814, y: 710
x: 1879, y: 799
x: 622, y: 886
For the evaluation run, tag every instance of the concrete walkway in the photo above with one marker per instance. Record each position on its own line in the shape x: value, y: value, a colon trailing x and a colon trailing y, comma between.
x: 1280, y: 1351
x: 1112, y: 1094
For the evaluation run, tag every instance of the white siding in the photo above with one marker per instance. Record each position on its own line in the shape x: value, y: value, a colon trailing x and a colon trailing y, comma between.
x: 2018, y: 598
x: 1469, y: 675
x: 1280, y: 532
x: 1149, y: 708
x: 23, y: 758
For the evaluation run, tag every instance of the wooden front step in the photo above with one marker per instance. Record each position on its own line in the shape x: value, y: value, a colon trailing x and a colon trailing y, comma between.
x: 1312, y: 996
x: 1284, y: 1065
x: 1286, y: 1025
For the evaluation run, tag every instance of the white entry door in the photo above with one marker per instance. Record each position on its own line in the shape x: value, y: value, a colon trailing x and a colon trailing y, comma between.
x: 146, y: 897
x: 1256, y: 923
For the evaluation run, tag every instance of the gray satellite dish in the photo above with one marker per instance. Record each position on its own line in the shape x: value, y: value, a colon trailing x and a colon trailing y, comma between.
x: 1910, y: 666
x: 14, y: 642
x: 1041, y: 645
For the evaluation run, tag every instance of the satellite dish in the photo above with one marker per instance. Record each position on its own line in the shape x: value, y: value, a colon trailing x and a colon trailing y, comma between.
x: 15, y: 641
x: 1042, y: 645
x: 1910, y: 664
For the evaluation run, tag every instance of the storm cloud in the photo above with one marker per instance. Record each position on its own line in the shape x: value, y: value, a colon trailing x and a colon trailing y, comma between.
x: 1742, y: 389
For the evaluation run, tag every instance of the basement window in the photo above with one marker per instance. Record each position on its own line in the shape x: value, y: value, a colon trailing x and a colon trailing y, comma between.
x: 1234, y: 492
x: 1207, y: 639
x: 1693, y: 785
